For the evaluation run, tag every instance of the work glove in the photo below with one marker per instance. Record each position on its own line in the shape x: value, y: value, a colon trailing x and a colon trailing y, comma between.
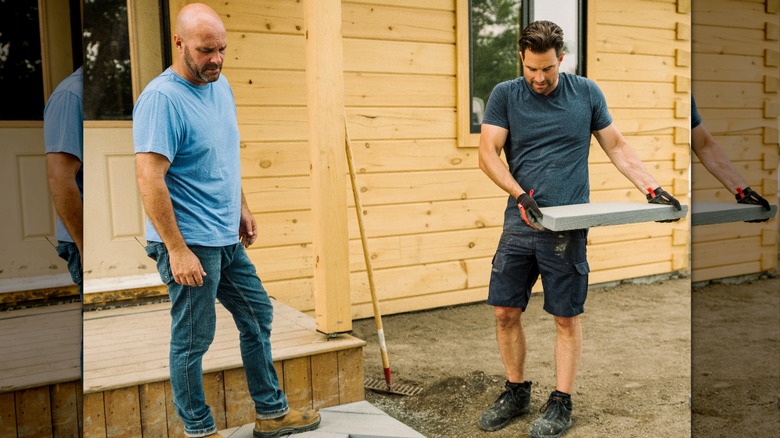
x: 529, y: 211
x: 748, y: 196
x: 662, y: 197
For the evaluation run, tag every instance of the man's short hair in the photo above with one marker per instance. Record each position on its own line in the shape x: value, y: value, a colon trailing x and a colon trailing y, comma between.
x: 541, y: 36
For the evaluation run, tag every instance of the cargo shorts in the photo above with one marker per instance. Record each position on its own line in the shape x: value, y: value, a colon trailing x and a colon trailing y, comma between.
x: 559, y: 257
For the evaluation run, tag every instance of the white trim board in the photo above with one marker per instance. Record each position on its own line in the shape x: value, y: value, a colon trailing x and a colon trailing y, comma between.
x: 22, y: 284
x: 599, y: 214
x: 108, y: 284
x: 709, y: 213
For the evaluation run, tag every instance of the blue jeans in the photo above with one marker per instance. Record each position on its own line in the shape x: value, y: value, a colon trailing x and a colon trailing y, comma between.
x: 69, y: 252
x: 231, y: 278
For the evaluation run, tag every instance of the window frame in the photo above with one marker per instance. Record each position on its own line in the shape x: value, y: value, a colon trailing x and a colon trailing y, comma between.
x: 465, y: 138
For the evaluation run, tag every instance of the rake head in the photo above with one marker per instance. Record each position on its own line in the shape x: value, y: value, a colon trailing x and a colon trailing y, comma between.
x: 379, y: 385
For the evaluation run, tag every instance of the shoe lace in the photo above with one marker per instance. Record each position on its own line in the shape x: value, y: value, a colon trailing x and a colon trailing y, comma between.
x: 553, y: 406
x: 505, y: 395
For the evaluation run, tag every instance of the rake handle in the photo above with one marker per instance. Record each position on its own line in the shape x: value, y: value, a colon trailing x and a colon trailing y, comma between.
x: 367, y: 257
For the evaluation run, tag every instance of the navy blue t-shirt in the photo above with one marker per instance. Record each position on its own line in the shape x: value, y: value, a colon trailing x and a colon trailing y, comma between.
x: 695, y: 116
x: 549, y: 139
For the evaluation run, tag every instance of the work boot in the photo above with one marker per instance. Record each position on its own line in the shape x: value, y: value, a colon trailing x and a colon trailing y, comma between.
x: 513, y: 402
x: 556, y: 418
x: 293, y: 422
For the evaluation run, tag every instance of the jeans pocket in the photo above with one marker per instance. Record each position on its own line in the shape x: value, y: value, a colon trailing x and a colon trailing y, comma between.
x: 157, y: 252
x: 582, y: 268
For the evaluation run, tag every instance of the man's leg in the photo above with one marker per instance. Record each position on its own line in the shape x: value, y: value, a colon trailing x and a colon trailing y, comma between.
x: 193, y: 324
x: 564, y: 268
x: 511, y: 341
x: 568, y: 348
x: 513, y: 275
x: 243, y: 294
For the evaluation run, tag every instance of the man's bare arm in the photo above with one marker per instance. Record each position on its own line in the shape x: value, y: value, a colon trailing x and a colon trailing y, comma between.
x: 491, y: 143
x: 150, y: 173
x: 247, y: 230
x: 623, y: 156
x: 715, y: 159
x: 61, y: 170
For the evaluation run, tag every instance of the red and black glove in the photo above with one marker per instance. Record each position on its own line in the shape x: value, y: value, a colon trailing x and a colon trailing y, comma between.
x: 748, y: 196
x: 529, y: 211
x: 662, y: 197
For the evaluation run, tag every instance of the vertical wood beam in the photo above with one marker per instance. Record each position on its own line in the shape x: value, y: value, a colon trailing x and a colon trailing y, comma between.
x: 325, y: 101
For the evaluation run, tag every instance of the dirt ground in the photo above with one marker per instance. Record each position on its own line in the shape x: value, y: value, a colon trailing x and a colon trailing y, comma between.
x: 634, y: 378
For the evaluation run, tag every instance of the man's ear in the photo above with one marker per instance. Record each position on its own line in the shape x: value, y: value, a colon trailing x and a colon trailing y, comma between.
x: 560, y: 58
x: 178, y: 42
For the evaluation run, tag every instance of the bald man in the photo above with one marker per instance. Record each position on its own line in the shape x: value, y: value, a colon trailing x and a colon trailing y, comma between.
x: 198, y: 226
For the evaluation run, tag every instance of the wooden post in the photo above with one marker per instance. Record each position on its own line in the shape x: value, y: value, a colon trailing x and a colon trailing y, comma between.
x: 325, y: 100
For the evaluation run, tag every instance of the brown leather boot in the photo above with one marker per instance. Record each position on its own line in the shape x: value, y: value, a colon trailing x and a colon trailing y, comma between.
x: 293, y: 422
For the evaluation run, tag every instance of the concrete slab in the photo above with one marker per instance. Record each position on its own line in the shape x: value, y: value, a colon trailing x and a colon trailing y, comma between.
x: 709, y: 213
x: 353, y: 420
x: 598, y: 214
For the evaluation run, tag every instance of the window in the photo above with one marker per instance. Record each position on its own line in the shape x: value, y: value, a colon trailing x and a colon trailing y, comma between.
x: 108, y: 91
x: 21, y: 69
x: 488, y: 32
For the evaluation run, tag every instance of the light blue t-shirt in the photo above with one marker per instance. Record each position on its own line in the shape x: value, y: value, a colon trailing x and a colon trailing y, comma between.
x: 196, y: 129
x: 63, y: 123
x: 549, y: 139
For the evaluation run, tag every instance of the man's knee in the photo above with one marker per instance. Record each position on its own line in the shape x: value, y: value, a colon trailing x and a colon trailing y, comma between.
x: 567, y: 325
x: 507, y: 316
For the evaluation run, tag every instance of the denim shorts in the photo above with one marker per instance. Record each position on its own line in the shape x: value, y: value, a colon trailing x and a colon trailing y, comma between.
x: 559, y: 257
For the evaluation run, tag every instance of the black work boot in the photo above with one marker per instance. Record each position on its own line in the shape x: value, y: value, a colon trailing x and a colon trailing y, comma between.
x: 556, y: 417
x: 513, y: 402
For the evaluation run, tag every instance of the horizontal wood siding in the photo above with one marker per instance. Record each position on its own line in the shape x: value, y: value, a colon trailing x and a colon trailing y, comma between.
x: 735, y: 53
x: 432, y: 217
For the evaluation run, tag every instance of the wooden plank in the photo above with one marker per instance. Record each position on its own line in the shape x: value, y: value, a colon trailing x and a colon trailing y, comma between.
x: 577, y: 216
x: 152, y: 401
x: 64, y: 409
x: 94, y: 415
x: 618, y: 39
x: 7, y: 414
x: 214, y: 389
x: 351, y: 375
x: 636, y: 68
x: 33, y: 412
x: 239, y: 407
x: 175, y: 425
x: 297, y: 382
x: 325, y: 85
x: 381, y: 22
x: 325, y: 380
x: 123, y: 412
x: 708, y: 213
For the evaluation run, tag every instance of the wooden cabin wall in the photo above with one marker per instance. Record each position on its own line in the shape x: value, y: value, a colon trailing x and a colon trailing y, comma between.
x: 735, y: 67
x: 432, y: 217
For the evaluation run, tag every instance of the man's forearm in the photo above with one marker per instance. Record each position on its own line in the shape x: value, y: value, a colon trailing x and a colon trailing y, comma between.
x: 69, y: 207
x: 156, y: 200
x: 629, y: 164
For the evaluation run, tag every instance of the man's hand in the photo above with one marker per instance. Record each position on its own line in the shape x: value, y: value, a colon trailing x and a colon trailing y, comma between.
x: 186, y: 268
x: 529, y: 211
x: 247, y: 230
x: 749, y: 196
x: 662, y: 197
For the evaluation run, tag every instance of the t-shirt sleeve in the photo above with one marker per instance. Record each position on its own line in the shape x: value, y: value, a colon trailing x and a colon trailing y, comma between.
x: 156, y: 126
x: 63, y: 125
x: 495, y: 111
x: 695, y: 116
x: 600, y: 118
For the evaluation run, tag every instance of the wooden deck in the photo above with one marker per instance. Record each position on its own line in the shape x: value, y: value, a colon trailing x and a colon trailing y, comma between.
x: 40, y: 379
x: 126, y: 378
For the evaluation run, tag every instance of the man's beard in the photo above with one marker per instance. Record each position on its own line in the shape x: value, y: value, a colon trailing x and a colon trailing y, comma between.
x: 201, y: 73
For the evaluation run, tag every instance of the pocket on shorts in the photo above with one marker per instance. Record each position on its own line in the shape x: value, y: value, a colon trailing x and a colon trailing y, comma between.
x: 157, y: 252
x: 582, y: 268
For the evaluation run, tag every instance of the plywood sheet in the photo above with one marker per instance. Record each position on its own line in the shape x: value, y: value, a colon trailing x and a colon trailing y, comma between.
x: 708, y: 213
x: 597, y: 214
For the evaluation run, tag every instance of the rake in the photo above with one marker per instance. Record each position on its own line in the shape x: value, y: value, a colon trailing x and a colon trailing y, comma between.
x: 372, y: 383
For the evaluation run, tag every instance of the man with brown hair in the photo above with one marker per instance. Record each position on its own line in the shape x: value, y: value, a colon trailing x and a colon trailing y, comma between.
x: 188, y: 169
x: 543, y: 121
